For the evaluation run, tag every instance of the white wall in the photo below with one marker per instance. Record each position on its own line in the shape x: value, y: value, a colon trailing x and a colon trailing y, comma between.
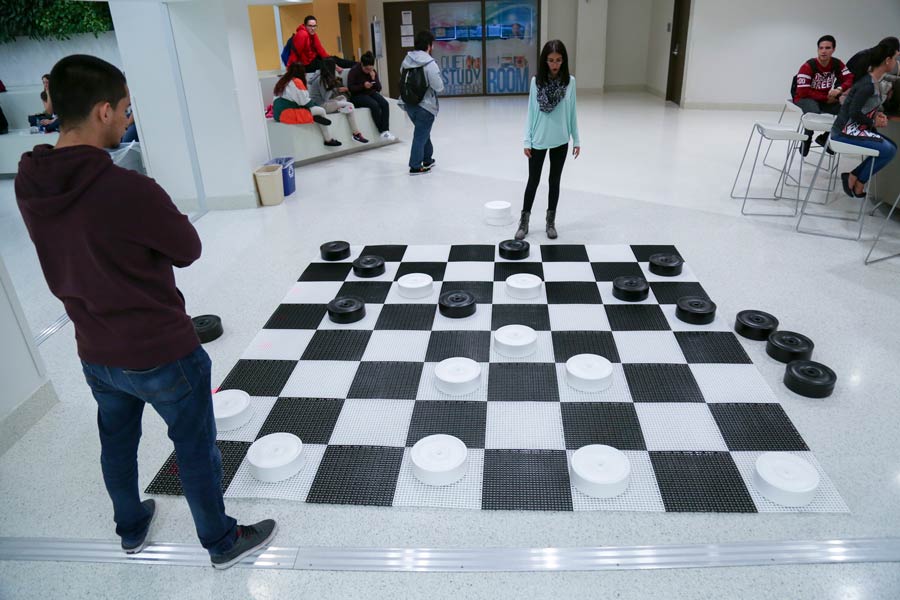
x: 562, y: 24
x: 590, y: 45
x: 743, y: 54
x: 24, y: 61
x: 627, y: 40
x: 659, y: 47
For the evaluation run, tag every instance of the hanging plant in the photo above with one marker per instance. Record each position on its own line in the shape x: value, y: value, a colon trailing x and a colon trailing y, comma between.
x: 54, y: 19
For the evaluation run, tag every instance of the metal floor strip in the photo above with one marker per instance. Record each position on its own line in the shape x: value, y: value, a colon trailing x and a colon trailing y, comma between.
x: 736, y: 554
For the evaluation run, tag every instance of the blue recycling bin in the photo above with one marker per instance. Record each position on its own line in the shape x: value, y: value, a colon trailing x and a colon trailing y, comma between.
x: 287, y: 173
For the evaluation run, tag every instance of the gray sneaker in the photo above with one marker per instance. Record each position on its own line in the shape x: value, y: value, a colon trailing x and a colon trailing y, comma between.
x: 250, y: 538
x: 133, y: 546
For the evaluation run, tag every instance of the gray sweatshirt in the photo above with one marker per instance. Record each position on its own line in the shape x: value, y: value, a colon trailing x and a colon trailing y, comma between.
x: 420, y: 58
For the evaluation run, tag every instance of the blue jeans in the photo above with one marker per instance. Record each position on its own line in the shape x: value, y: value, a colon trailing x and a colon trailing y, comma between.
x: 421, y: 149
x: 887, y: 149
x: 180, y: 392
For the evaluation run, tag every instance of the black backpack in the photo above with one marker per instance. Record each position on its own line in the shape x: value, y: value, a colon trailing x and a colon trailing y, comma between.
x: 413, y: 85
x: 814, y: 65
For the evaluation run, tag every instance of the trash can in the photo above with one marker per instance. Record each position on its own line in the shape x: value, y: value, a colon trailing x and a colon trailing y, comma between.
x: 268, y: 182
x: 287, y: 173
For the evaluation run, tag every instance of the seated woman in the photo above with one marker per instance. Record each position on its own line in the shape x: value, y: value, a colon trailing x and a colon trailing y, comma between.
x: 293, y: 105
x: 326, y: 90
x: 364, y: 86
x: 48, y: 120
x: 859, y: 119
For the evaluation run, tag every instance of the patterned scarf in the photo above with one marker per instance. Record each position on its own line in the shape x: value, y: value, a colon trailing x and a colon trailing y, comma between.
x: 551, y: 94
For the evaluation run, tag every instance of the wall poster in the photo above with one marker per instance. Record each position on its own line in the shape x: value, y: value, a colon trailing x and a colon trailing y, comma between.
x: 511, y: 46
x: 458, y: 31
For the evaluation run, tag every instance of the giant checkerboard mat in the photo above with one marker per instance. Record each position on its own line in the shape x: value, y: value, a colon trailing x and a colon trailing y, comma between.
x: 688, y: 407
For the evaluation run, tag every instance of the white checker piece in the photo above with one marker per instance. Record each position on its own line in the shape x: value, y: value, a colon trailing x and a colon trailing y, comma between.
x: 732, y: 383
x: 278, y: 344
x: 373, y: 423
x: 260, y: 406
x: 524, y: 425
x: 502, y: 297
x: 395, y: 297
x: 428, y: 390
x: 543, y: 353
x: 397, y: 346
x: 642, y: 493
x: 465, y: 493
x: 617, y: 392
x: 827, y: 497
x: 648, y: 347
x: 578, y: 317
x: 296, y: 488
x: 679, y: 426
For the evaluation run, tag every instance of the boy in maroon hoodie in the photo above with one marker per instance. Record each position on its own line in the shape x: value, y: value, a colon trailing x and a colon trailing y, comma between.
x: 107, y: 239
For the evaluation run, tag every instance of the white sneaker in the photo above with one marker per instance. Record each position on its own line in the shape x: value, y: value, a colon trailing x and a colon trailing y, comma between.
x: 387, y: 135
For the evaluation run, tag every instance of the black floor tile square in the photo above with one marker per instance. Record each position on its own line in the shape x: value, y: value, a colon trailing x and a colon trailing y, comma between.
x: 475, y: 345
x: 572, y: 292
x: 711, y: 347
x: 526, y: 480
x: 523, y: 381
x: 310, y: 419
x: 371, y: 292
x: 610, y: 423
x: 643, y: 252
x: 464, y: 420
x: 296, y: 316
x: 567, y: 344
x: 668, y: 292
x: 337, y: 344
x: 386, y: 380
x: 406, y: 317
x: 472, y: 252
x: 636, y: 317
x: 389, y: 252
x: 662, y: 383
x: 357, y: 475
x: 435, y: 269
x: 607, y: 271
x: 564, y: 253
x: 326, y: 272
x: 700, y: 482
x: 536, y: 316
x: 482, y: 290
x: 259, y: 377
x: 762, y: 426
x: 502, y: 270
x: 168, y: 483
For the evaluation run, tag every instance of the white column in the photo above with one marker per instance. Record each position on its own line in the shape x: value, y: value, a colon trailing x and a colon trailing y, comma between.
x: 591, y: 43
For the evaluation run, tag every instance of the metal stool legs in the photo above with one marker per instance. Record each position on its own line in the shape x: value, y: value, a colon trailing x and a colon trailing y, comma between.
x: 878, y: 237
x: 859, y: 217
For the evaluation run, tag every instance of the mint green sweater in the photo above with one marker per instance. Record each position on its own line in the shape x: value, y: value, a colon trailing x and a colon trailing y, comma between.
x: 549, y: 130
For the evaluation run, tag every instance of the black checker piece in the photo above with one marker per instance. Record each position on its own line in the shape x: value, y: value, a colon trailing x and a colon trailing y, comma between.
x: 523, y: 381
x: 296, y: 316
x: 652, y: 382
x: 526, y: 480
x: 759, y: 426
x: 386, y: 380
x: 475, y: 345
x: 168, y: 483
x: 567, y: 344
x: 259, y: 377
x: 610, y: 423
x: 701, y: 482
x: 357, y: 475
x: 337, y: 344
x: 464, y: 420
x: 482, y: 290
x: 310, y: 419
x: 711, y: 347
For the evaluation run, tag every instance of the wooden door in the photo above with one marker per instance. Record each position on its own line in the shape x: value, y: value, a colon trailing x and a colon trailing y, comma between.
x: 393, y: 42
x: 678, y: 50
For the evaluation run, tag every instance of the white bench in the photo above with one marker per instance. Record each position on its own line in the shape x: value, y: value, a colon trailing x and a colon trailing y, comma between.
x: 17, y: 142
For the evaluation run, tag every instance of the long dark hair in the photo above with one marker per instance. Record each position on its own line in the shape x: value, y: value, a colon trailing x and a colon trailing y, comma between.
x: 327, y: 74
x: 295, y: 71
x: 880, y: 53
x: 543, y: 74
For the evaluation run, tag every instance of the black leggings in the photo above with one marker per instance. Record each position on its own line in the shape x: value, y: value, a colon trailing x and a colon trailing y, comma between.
x: 535, y: 165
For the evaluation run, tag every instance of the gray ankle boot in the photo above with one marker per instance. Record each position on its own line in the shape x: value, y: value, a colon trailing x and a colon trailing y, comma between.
x: 523, y: 225
x: 551, y: 224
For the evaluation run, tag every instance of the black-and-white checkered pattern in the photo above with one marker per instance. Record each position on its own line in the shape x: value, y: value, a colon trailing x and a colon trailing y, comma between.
x: 687, y: 405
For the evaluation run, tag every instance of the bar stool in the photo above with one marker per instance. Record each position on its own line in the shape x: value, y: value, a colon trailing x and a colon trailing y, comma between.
x: 839, y: 148
x: 773, y: 132
x: 880, y: 230
x: 817, y: 124
x: 789, y: 107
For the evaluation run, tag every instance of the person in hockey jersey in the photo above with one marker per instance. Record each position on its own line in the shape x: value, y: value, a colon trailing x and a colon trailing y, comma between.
x: 820, y: 83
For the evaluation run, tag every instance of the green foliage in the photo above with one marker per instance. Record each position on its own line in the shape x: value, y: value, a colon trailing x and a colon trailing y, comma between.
x: 57, y: 19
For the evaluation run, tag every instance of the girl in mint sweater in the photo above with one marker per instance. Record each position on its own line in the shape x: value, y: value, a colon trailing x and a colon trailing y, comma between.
x: 552, y: 120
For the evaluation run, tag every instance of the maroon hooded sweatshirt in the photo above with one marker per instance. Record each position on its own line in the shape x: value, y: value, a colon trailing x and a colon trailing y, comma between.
x: 107, y: 239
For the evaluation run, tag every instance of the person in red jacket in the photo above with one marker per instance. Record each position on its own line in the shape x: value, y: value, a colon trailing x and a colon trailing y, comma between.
x: 820, y: 83
x: 107, y: 239
x: 308, y: 50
